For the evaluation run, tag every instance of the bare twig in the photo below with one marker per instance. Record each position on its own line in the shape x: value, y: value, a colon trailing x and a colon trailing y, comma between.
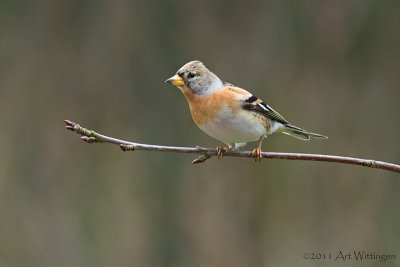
x: 90, y: 136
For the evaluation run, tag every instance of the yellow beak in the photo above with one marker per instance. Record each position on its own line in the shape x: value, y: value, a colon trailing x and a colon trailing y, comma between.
x: 176, y: 80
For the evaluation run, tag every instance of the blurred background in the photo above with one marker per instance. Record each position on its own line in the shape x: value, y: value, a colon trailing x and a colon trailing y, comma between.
x: 329, y: 66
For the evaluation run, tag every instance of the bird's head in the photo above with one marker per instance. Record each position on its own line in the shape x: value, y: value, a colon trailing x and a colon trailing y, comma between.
x: 195, y: 77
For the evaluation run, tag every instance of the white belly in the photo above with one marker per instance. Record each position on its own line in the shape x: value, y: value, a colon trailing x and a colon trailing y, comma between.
x: 230, y: 127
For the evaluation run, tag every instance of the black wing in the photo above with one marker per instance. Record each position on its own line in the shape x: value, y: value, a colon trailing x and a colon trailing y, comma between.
x: 256, y: 104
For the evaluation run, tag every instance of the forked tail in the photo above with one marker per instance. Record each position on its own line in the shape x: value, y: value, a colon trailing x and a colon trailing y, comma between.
x: 300, y: 133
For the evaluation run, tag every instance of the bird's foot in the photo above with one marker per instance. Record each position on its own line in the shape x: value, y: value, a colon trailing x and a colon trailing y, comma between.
x: 256, y: 154
x: 222, y: 150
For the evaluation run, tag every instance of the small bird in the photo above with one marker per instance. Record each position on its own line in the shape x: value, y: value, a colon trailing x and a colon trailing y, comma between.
x: 229, y: 113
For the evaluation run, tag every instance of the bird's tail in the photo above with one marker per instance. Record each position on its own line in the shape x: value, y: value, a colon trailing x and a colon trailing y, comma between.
x: 300, y: 133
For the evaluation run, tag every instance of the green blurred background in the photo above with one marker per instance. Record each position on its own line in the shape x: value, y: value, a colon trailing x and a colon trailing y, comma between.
x: 329, y: 66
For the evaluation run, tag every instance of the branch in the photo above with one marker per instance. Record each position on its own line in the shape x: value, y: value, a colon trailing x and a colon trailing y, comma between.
x: 91, y: 136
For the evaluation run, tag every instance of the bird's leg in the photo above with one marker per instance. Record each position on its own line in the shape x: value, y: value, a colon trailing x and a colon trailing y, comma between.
x: 223, y: 150
x: 256, y: 152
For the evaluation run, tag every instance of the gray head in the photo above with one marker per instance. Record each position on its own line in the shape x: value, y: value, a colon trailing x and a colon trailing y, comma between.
x: 197, y: 78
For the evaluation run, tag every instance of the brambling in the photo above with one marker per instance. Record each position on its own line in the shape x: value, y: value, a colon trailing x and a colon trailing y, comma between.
x: 229, y: 113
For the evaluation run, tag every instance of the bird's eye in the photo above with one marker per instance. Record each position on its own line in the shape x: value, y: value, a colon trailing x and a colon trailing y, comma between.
x: 192, y: 75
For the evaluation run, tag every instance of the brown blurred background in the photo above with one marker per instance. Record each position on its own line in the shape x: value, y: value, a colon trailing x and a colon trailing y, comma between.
x: 329, y: 66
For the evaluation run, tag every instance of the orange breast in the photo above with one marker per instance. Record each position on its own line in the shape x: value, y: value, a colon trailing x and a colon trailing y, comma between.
x: 205, y: 108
